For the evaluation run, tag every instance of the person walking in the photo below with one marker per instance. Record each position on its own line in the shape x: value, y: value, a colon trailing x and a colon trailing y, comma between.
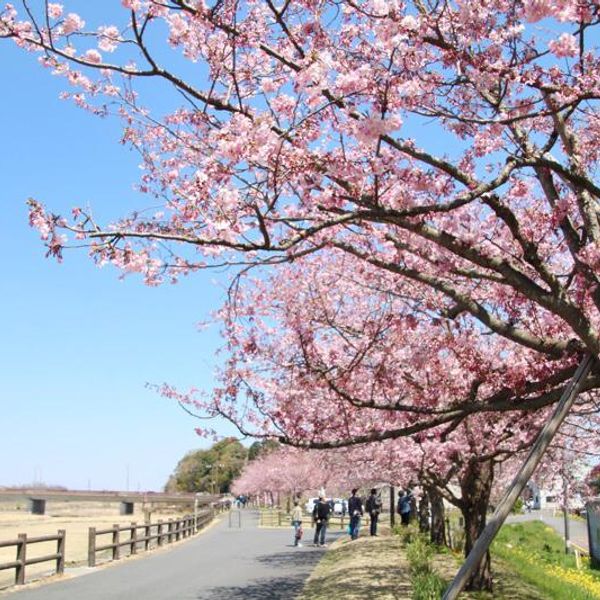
x: 297, y: 523
x: 321, y: 514
x: 404, y: 507
x: 373, y: 507
x: 355, y: 510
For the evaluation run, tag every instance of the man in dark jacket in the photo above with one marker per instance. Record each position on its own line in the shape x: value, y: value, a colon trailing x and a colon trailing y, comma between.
x: 373, y: 507
x: 355, y: 510
x: 321, y: 513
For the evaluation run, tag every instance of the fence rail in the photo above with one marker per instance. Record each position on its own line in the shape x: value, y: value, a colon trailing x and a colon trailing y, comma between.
x: 22, y: 561
x: 279, y: 518
x: 160, y: 532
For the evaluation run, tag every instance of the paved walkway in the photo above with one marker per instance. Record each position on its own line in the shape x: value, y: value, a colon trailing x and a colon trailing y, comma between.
x: 222, y: 563
x: 577, y: 528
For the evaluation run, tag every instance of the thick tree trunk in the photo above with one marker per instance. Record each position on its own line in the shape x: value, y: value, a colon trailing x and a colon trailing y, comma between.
x: 438, y: 523
x: 424, y: 512
x: 476, y: 485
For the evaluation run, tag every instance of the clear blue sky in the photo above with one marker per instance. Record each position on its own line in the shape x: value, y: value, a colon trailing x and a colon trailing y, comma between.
x: 77, y: 344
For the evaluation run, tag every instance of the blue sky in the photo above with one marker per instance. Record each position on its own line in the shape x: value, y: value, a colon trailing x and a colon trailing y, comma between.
x: 77, y: 344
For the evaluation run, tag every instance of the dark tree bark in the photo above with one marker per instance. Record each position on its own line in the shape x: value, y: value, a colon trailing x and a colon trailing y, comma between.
x: 424, y: 512
x: 476, y: 485
x: 438, y: 524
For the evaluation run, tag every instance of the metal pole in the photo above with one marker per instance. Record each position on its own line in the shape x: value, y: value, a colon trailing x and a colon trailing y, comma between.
x: 566, y: 509
x: 484, y: 541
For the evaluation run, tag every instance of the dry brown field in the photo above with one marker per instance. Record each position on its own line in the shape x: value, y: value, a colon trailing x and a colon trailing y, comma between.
x: 74, y: 517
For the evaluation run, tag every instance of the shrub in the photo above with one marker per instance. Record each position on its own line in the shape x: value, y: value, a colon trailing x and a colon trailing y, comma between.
x: 426, y: 583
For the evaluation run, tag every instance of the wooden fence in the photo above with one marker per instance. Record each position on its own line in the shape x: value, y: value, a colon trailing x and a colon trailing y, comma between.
x: 143, y: 536
x: 279, y: 518
x: 22, y: 561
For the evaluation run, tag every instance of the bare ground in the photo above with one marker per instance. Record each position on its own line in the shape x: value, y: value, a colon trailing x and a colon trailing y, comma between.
x: 367, y: 568
x: 76, y: 518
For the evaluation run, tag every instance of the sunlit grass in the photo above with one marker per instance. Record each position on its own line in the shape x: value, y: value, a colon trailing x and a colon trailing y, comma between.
x: 536, y: 552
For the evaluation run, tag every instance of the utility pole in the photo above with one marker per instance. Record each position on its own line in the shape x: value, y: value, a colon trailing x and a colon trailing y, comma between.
x: 566, y: 504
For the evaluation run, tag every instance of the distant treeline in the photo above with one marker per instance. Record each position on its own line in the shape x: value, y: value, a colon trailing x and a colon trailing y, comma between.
x: 212, y: 470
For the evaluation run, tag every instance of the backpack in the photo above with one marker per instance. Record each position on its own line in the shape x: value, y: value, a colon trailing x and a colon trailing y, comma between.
x: 403, y: 505
x: 321, y: 511
x: 374, y: 504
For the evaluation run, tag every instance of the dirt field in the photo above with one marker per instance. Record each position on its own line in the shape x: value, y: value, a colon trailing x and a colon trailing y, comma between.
x: 75, y: 518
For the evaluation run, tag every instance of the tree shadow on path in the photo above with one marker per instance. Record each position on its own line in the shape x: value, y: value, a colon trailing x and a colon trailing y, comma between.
x: 300, y: 562
x: 273, y: 588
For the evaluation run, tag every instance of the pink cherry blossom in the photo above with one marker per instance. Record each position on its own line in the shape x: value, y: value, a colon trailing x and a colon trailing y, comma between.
x: 72, y: 23
x: 108, y: 38
x: 55, y: 10
x: 565, y: 45
x: 93, y: 56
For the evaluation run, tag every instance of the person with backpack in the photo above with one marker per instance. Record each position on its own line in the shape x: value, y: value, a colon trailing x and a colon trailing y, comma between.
x: 404, y: 507
x: 373, y: 507
x: 355, y: 510
x: 321, y: 514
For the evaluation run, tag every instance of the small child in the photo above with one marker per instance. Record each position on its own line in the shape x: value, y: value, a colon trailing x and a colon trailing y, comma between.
x: 298, y: 536
x: 297, y: 523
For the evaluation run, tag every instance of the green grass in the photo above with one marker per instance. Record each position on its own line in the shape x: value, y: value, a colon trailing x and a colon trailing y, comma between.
x: 426, y: 582
x: 528, y: 563
x: 535, y: 552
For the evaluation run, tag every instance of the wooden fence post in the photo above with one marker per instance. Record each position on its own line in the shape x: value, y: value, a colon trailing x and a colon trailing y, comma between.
x: 177, y: 530
x: 133, y: 539
x: 449, y: 534
x: 60, y: 551
x: 147, y: 533
x: 92, y: 547
x: 116, y: 551
x: 21, y: 559
x: 170, y: 535
x: 159, y: 533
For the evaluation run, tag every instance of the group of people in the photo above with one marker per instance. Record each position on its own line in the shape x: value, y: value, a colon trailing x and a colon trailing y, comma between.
x: 373, y: 506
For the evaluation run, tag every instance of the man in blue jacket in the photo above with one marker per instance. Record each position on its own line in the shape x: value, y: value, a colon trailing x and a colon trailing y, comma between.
x: 404, y: 507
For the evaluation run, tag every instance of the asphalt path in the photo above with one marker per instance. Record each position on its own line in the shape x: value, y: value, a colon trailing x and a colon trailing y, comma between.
x: 577, y: 529
x: 221, y: 563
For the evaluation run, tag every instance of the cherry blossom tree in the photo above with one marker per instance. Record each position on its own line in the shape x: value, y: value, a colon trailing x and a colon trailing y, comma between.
x: 330, y: 360
x: 447, y: 149
x: 593, y: 479
x: 314, y: 345
x: 451, y: 144
x: 294, y: 472
x: 305, y: 132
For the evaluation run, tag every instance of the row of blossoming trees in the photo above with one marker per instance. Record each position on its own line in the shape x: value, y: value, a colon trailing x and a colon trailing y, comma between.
x: 406, y: 193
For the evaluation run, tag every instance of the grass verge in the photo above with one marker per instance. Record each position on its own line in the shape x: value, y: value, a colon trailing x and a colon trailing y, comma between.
x: 528, y: 563
x: 370, y: 568
x: 536, y: 553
